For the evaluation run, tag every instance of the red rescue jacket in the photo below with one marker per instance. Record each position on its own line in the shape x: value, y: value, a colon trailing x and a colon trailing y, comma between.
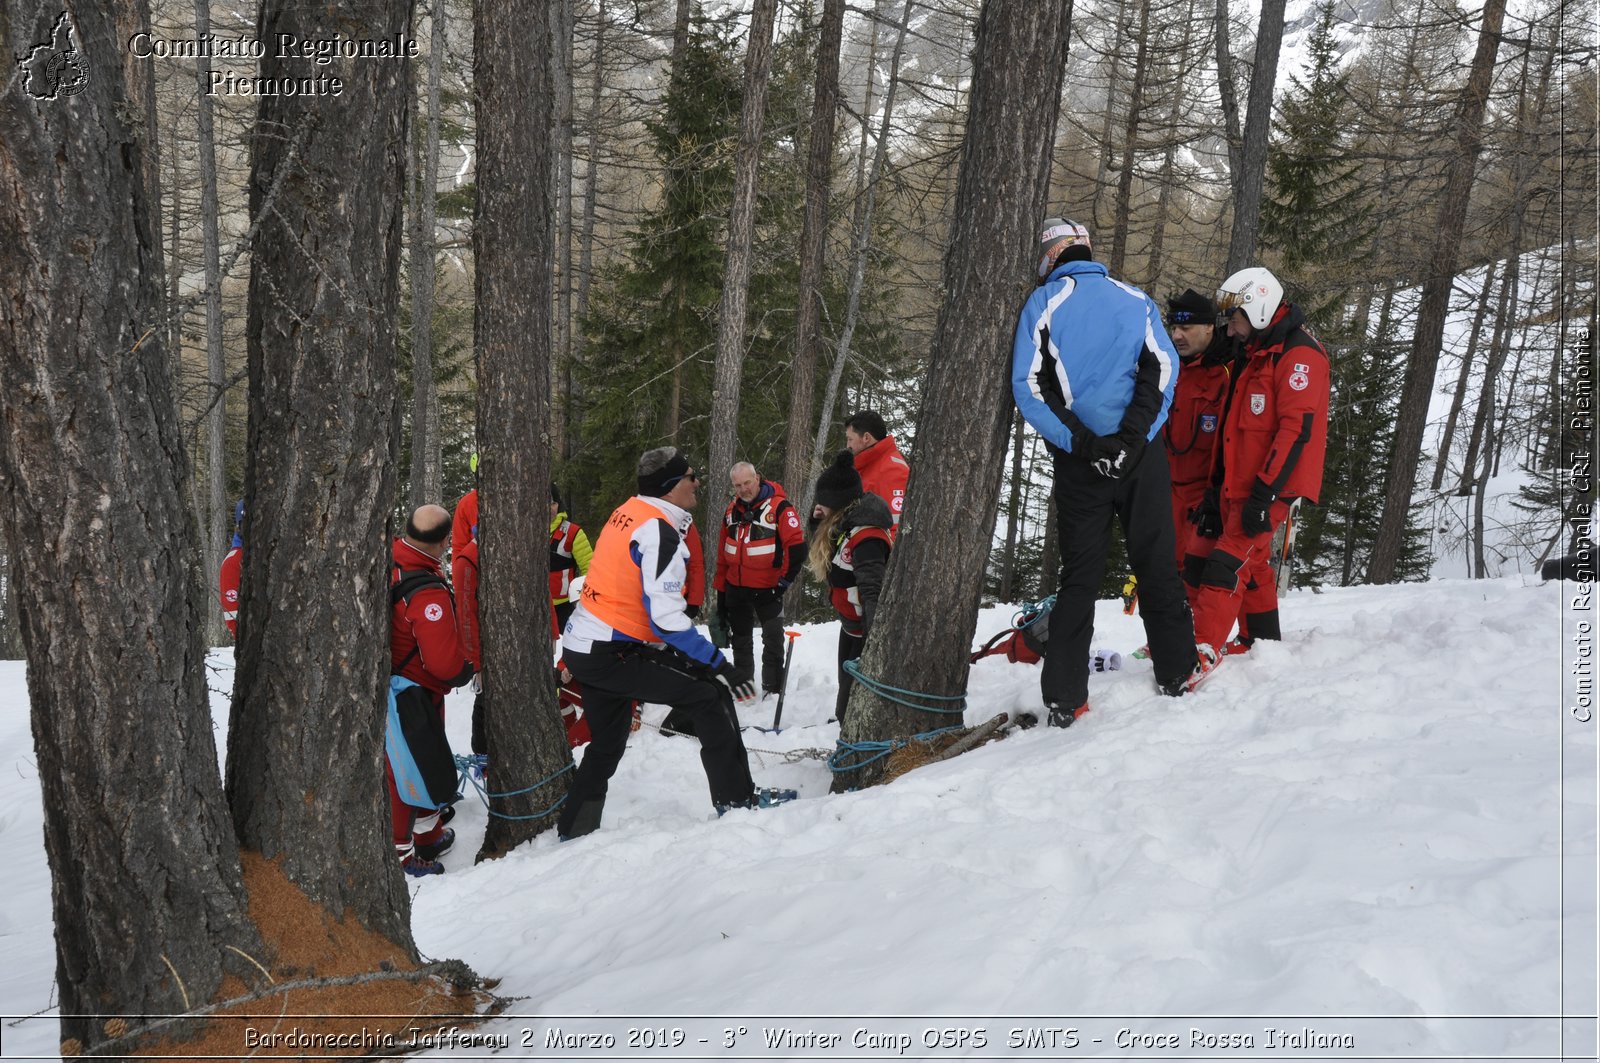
x: 464, y: 578
x: 1277, y: 424
x: 462, y: 521
x: 228, y: 582
x: 860, y: 556
x: 424, y: 640
x: 885, y: 472
x: 1194, y: 422
x: 756, y: 548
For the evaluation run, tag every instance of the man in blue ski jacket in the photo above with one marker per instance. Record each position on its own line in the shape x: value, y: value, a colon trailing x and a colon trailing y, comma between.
x: 1093, y: 372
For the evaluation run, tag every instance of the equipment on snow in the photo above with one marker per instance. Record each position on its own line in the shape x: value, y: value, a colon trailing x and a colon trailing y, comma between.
x: 783, y: 689
x: 1283, y: 557
x: 419, y: 753
x: 1205, y: 667
x: 1130, y: 595
x: 763, y: 797
x: 1024, y: 641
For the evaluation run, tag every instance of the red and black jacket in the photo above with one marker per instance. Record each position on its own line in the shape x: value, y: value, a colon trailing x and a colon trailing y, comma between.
x: 860, y: 556
x: 424, y: 639
x: 1199, y: 405
x: 762, y: 543
x: 1277, y: 424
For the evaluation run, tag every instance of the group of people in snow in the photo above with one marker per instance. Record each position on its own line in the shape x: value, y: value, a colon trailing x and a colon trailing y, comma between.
x: 1236, y: 390
x: 1238, y: 394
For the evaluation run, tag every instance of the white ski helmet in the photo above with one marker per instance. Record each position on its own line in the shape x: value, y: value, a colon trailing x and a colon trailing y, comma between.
x: 1255, y: 291
x: 1055, y: 236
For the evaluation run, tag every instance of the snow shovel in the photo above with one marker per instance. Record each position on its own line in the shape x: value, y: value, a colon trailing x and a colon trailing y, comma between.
x: 788, y: 655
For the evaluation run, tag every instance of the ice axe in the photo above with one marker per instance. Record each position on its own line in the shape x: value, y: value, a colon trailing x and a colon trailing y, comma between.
x: 788, y: 655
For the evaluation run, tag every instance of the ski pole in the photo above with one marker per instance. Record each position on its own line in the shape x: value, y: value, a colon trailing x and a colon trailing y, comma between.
x: 783, y: 690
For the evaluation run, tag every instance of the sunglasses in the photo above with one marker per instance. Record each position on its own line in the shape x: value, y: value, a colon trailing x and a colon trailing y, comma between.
x: 691, y: 476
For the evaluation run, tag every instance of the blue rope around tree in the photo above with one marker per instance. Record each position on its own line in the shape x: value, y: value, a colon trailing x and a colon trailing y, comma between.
x: 892, y: 693
x: 466, y: 764
x: 876, y: 751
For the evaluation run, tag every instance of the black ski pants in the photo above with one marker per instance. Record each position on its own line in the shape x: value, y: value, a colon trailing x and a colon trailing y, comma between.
x: 748, y: 607
x: 1142, y: 503
x: 616, y: 675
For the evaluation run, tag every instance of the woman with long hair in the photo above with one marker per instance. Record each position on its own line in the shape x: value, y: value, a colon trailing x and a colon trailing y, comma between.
x: 850, y: 542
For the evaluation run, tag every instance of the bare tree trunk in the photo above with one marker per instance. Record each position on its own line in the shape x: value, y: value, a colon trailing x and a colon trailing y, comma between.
x: 1504, y: 309
x: 513, y: 250
x: 427, y: 477
x: 1420, y: 368
x: 1130, y: 143
x: 1108, y: 119
x: 924, y: 626
x: 1459, y: 397
x: 813, y: 247
x: 1249, y: 179
x: 101, y: 543
x: 1013, y: 512
x: 591, y: 196
x: 218, y: 517
x: 1228, y: 95
x: 680, y: 30
x: 1050, y: 557
x: 561, y: 360
x: 728, y: 378
x: 1158, y: 235
x: 305, y: 739
x: 858, y: 268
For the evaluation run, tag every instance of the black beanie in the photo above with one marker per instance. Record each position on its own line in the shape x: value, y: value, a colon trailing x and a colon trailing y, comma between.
x: 840, y: 484
x: 1191, y: 308
x: 660, y: 470
x: 555, y: 494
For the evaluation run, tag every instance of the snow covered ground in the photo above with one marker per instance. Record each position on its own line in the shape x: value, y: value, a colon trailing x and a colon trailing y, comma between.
x: 1390, y: 815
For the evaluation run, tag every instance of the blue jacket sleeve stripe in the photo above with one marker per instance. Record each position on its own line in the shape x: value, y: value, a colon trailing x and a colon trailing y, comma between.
x: 1027, y: 359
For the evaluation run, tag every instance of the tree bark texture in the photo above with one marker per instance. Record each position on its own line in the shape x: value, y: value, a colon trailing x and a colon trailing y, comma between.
x: 101, y: 541
x: 218, y: 514
x: 561, y: 31
x: 1249, y: 180
x: 427, y: 477
x: 1227, y: 94
x: 513, y: 241
x: 1417, y: 388
x: 813, y: 247
x: 858, y: 268
x: 305, y: 743
x: 924, y: 626
x: 1123, y: 205
x: 728, y: 371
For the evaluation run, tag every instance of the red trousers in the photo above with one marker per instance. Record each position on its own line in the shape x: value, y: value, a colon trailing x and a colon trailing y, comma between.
x: 1230, y: 579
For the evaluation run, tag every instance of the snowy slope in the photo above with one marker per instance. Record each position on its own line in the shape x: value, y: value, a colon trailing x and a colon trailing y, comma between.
x: 1364, y: 820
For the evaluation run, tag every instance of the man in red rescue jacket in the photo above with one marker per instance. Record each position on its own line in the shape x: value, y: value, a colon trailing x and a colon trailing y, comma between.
x: 759, y: 553
x: 426, y: 647
x: 1194, y: 422
x: 884, y: 470
x: 1273, y: 441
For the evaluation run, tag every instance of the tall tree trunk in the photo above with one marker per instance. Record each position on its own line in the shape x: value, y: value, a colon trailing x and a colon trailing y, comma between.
x: 858, y: 268
x: 1158, y: 234
x: 561, y: 356
x: 1119, y: 33
x: 305, y: 740
x: 591, y: 197
x: 1505, y: 308
x: 1130, y: 143
x: 813, y: 247
x: 1008, y: 571
x: 680, y: 29
x: 1227, y: 94
x: 1442, y: 461
x: 1417, y: 389
x: 1249, y: 179
x: 924, y: 626
x: 513, y: 250
x: 728, y: 372
x: 101, y: 544
x: 218, y: 512
x: 1050, y: 554
x: 427, y: 481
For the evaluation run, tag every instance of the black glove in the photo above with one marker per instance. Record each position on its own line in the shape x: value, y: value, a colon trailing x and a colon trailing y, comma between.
x: 1255, y: 516
x: 1207, y: 516
x: 691, y: 611
x: 1112, y: 456
x: 741, y: 688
